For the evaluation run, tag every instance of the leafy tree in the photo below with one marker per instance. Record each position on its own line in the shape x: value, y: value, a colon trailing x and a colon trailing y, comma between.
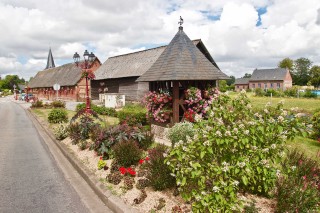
x: 286, y: 63
x: 247, y: 75
x: 231, y: 80
x: 301, y: 71
x: 223, y: 85
x: 9, y: 81
x: 315, y: 75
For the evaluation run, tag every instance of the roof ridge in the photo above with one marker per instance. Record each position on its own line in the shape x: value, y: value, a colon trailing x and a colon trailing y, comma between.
x: 199, y: 39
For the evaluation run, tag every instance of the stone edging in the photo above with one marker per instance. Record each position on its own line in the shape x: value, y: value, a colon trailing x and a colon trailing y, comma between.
x: 113, y: 202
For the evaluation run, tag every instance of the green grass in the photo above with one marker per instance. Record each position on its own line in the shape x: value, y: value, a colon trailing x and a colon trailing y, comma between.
x: 311, y: 148
x: 304, y: 104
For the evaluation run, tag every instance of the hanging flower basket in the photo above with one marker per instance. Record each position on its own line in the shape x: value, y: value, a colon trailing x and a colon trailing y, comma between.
x: 87, y: 73
x: 159, y: 105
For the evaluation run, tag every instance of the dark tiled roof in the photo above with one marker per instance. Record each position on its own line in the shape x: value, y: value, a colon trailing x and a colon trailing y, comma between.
x: 65, y: 75
x: 182, y: 60
x: 131, y: 64
x: 268, y: 74
x: 242, y: 81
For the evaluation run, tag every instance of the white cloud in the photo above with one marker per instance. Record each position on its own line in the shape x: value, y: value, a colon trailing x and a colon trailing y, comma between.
x: 228, y: 29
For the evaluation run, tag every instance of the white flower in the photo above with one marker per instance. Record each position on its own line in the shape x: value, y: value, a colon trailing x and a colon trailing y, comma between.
x: 283, y: 137
x: 266, y: 111
x: 273, y: 146
x: 172, y: 174
x: 249, y: 106
x: 184, y: 148
x: 189, y: 140
x: 265, y: 150
x: 235, y: 130
x: 293, y: 168
x: 235, y: 183
x: 165, y: 155
x: 198, y: 197
x: 228, y: 133
x: 284, y: 113
x: 268, y: 104
x: 218, y: 133
x: 203, y: 193
x: 243, y: 91
x: 242, y: 164
x: 225, y: 163
x: 309, y: 126
x: 280, y: 119
x: 241, y: 126
x: 215, y: 189
x: 254, y: 148
x: 206, y: 143
x: 223, y: 183
x: 271, y: 120
x: 168, y: 163
x: 282, y: 154
x: 278, y: 173
x: 251, y: 123
x: 225, y: 169
x: 198, y: 117
x: 246, y: 132
x: 211, y: 113
x: 281, y: 102
x: 264, y: 162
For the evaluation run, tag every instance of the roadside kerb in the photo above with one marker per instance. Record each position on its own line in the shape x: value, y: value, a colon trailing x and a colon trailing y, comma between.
x: 111, y: 201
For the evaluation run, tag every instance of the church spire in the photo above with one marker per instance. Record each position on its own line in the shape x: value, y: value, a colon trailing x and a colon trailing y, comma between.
x: 50, y: 61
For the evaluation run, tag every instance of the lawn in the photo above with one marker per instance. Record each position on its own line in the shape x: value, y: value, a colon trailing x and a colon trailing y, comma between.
x: 43, y: 115
x: 309, y: 147
x: 306, y: 104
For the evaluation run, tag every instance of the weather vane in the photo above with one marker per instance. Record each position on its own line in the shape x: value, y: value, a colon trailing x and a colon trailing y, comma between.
x: 181, y: 21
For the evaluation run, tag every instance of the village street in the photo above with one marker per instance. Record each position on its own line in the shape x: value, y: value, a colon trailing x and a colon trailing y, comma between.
x: 30, y: 178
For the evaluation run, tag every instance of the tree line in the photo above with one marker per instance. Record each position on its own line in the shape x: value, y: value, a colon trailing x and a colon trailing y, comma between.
x: 302, y: 71
x: 9, y: 81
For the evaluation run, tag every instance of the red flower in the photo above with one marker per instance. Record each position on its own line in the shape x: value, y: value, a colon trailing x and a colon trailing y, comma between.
x: 100, y: 157
x: 147, y: 158
x: 131, y: 171
x: 141, y: 161
x: 123, y: 170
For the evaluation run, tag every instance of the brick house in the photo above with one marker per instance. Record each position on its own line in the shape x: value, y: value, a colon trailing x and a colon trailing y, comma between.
x: 278, y: 78
x: 241, y: 83
x: 68, y: 76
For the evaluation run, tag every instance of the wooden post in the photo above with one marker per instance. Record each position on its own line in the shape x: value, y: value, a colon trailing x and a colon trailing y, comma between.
x: 175, y: 101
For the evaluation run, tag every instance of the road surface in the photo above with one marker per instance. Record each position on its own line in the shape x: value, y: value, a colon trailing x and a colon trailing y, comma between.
x: 30, y: 180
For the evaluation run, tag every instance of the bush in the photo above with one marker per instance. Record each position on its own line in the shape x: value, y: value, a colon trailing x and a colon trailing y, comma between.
x: 61, y: 132
x: 159, y: 173
x: 309, y: 94
x: 147, y: 139
x: 101, y: 110
x: 298, y: 188
x: 58, y: 104
x: 133, y: 114
x: 180, y: 132
x: 316, y: 125
x: 127, y: 153
x: 58, y: 116
x: 37, y: 104
x: 291, y: 92
x: 259, y: 92
x: 234, y: 149
x: 79, y: 131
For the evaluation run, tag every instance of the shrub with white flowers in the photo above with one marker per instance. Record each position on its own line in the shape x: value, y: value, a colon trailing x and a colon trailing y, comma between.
x: 235, y: 148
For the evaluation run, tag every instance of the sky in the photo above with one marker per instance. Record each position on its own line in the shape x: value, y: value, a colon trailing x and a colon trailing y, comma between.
x: 241, y: 35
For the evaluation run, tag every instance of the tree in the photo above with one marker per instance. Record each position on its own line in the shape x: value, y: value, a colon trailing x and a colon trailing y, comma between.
x: 286, y: 63
x: 315, y: 76
x: 9, y: 81
x: 223, y: 85
x: 247, y: 75
x: 301, y: 71
x: 231, y: 80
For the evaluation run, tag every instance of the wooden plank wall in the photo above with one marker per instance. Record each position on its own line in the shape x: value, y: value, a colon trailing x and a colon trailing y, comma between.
x: 133, y: 91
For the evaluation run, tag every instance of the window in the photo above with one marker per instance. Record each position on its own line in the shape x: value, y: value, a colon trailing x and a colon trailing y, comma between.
x: 253, y: 85
x: 278, y: 85
x: 259, y: 85
x: 271, y: 85
x: 265, y: 85
x: 238, y: 86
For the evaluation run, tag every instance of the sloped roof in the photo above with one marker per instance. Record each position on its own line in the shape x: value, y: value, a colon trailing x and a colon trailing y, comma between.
x: 65, y: 75
x: 136, y: 63
x: 268, y: 74
x: 182, y: 60
x: 50, y: 61
x: 242, y: 81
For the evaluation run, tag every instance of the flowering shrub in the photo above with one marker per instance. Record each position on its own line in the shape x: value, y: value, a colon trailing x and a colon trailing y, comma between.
x: 235, y: 148
x: 298, y: 187
x: 159, y: 173
x: 180, y: 131
x: 61, y: 131
x: 159, y: 105
x: 87, y: 73
x: 127, y: 153
x: 198, y: 102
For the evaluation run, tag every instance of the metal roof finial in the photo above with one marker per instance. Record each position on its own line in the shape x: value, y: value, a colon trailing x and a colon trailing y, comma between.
x: 180, y: 23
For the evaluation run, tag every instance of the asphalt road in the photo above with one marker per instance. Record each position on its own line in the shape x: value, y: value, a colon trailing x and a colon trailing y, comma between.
x: 30, y: 180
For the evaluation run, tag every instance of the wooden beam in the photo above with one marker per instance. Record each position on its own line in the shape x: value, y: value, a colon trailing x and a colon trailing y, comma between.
x: 175, y: 101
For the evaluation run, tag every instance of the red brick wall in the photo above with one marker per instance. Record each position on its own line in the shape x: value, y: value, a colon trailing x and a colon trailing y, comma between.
x: 239, y: 87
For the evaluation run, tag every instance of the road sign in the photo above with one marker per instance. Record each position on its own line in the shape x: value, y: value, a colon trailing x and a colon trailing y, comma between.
x: 56, y: 87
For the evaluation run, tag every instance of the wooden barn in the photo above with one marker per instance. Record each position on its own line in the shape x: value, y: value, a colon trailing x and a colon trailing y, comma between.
x: 68, y: 76
x: 118, y: 74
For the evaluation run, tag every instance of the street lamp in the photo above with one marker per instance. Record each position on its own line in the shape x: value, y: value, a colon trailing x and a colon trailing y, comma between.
x: 88, y: 62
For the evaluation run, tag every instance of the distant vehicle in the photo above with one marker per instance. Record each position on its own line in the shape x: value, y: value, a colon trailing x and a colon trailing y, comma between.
x: 22, y: 97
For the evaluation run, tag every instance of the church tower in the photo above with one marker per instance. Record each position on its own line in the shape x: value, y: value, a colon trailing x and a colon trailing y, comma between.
x: 50, y: 61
